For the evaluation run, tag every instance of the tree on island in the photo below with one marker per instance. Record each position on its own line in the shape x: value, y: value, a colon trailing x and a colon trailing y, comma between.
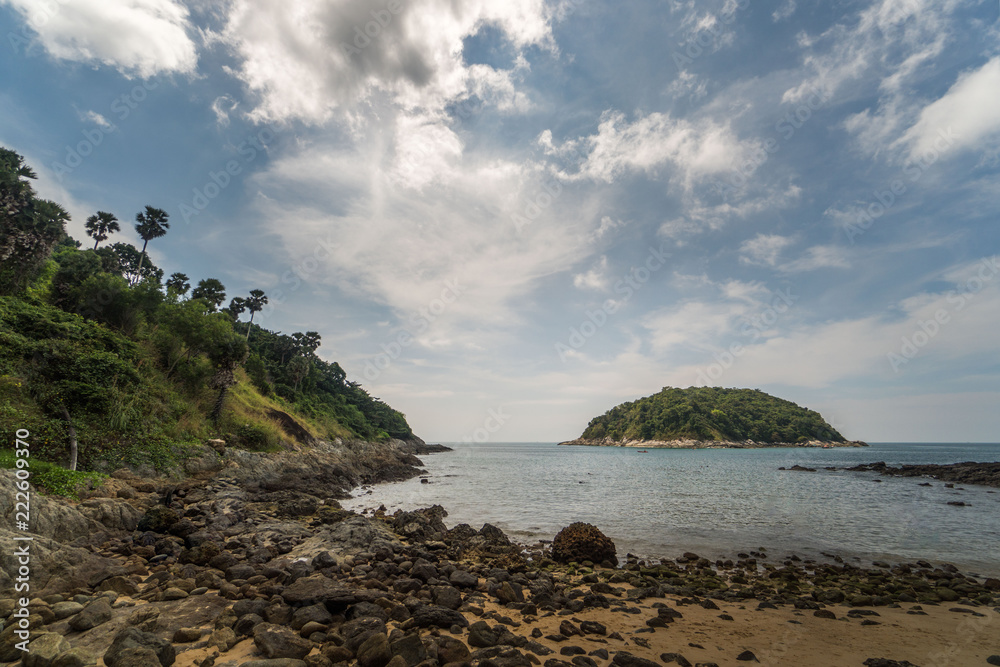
x: 255, y: 304
x: 178, y: 284
x: 101, y: 226
x: 151, y: 224
x: 211, y: 291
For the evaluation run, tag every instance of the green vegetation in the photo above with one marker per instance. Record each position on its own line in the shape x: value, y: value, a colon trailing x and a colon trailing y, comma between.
x: 54, y: 479
x: 711, y: 413
x: 107, y: 366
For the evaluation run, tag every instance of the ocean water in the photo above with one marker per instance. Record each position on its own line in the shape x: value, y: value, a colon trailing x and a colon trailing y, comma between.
x: 715, y: 502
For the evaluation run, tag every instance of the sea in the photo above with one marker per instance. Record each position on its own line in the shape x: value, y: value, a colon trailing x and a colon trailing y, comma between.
x: 715, y: 502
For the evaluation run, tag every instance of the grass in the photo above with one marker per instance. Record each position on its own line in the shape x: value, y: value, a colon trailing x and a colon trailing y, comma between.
x: 53, y: 479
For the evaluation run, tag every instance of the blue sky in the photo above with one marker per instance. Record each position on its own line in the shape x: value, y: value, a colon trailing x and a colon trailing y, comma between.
x: 506, y: 217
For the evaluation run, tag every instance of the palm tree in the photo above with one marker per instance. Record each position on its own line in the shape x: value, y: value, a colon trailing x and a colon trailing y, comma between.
x: 178, y: 283
x: 255, y: 304
x: 100, y: 226
x: 151, y: 225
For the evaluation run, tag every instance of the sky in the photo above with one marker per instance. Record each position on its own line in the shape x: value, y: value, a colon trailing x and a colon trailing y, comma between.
x: 505, y: 217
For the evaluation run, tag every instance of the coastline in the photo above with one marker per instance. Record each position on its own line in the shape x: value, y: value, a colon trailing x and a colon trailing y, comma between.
x: 253, y: 558
x: 707, y: 444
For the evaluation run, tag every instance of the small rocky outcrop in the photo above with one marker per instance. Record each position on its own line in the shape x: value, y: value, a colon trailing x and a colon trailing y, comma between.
x: 580, y: 541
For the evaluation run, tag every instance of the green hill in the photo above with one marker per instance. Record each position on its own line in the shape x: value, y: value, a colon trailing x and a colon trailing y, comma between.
x: 711, y: 413
x: 97, y: 351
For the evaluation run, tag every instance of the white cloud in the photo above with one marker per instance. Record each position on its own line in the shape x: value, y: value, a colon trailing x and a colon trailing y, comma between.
x: 885, y: 50
x: 764, y: 249
x: 594, y: 279
x: 960, y: 320
x: 222, y: 106
x: 138, y: 37
x: 967, y: 116
x: 395, y: 235
x: 695, y: 149
x: 97, y: 119
x: 306, y: 59
x: 818, y: 257
x: 784, y: 11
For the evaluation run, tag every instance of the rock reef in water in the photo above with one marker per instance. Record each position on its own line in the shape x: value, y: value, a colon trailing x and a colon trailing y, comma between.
x: 969, y: 472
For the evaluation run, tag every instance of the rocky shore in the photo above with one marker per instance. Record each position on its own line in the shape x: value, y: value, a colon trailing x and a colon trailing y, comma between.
x: 969, y: 472
x: 707, y: 444
x: 250, y: 561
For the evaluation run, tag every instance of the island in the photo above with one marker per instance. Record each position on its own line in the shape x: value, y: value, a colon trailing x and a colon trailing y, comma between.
x: 711, y: 417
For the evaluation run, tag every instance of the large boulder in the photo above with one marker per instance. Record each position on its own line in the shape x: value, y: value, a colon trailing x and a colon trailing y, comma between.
x: 113, y: 513
x: 275, y: 641
x: 131, y: 638
x: 43, y: 649
x: 422, y: 524
x: 580, y: 541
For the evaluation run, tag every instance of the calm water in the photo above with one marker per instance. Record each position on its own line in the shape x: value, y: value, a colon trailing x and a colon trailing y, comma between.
x: 715, y: 501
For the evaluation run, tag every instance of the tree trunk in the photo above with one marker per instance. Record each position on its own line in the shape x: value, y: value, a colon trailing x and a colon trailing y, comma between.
x: 95, y: 243
x: 72, y: 437
x: 248, y: 326
x: 217, y: 410
x: 138, y: 272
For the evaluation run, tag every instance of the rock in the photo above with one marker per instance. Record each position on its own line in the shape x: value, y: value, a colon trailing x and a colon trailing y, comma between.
x: 747, y: 656
x: 274, y: 662
x: 494, y: 536
x: 75, y: 657
x: 137, y: 656
x: 625, y: 659
x: 885, y: 662
x: 186, y: 635
x: 593, y: 628
x: 946, y: 594
x: 509, y: 592
x: 174, y: 594
x: 275, y: 641
x: 571, y: 650
x: 421, y: 525
x: 157, y: 519
x: 410, y: 648
x: 96, y: 612
x: 675, y: 658
x: 993, y: 660
x: 316, y: 613
x: 481, y: 636
x: 130, y: 638
x: 337, y: 654
x: 66, y: 609
x: 119, y: 584
x: 463, y: 579
x: 824, y: 613
x: 441, y: 617
x: 43, y: 649
x: 223, y: 638
x: 317, y: 588
x: 113, y: 513
x: 144, y: 618
x: 374, y: 652
x: 447, y: 596
x: 451, y: 650
x: 581, y: 541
